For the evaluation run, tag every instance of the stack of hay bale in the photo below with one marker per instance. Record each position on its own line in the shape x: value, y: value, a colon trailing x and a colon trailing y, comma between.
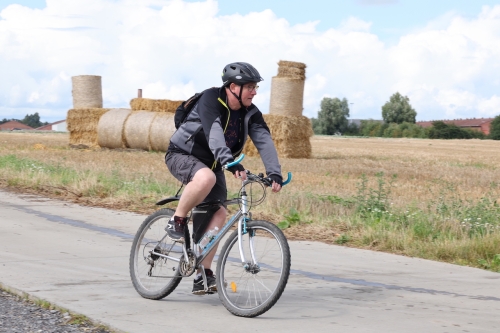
x: 91, y: 125
x: 87, y: 109
x: 148, y: 125
x: 289, y: 128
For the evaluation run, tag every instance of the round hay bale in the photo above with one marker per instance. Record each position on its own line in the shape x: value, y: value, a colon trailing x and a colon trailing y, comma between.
x: 162, y: 129
x: 110, y: 128
x: 287, y: 96
x: 87, y: 91
x: 137, y: 128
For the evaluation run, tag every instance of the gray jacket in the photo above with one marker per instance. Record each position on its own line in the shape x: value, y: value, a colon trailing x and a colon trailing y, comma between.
x: 202, y: 134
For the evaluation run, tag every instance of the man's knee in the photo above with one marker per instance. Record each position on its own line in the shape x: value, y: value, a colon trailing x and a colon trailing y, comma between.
x: 221, y: 213
x: 205, y: 177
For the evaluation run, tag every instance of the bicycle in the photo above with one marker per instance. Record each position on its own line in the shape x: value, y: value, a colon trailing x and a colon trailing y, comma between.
x: 253, y: 265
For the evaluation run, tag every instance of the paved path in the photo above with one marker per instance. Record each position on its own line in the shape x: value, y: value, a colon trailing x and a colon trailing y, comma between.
x: 77, y: 257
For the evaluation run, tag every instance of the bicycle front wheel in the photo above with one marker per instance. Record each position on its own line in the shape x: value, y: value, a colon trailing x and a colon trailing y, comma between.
x: 252, y: 288
x: 154, y: 276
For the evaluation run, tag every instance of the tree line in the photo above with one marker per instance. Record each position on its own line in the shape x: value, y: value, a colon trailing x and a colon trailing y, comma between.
x: 398, y: 121
x: 32, y: 120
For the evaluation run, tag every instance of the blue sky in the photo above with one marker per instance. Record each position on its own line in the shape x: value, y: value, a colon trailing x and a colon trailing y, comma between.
x: 441, y: 54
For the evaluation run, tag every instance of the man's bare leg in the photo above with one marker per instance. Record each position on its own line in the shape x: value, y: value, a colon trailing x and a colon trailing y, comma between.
x: 196, y: 191
x: 217, y: 221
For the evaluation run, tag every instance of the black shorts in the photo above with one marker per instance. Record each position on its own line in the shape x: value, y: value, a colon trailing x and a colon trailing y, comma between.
x: 184, y: 167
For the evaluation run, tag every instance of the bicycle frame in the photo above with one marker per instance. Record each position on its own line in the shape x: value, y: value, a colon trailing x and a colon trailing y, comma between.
x: 241, y: 216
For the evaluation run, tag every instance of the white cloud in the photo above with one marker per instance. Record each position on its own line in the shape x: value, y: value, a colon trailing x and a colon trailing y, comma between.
x: 171, y: 49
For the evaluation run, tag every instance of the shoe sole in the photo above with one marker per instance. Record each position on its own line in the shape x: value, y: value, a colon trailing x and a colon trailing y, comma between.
x: 210, y: 291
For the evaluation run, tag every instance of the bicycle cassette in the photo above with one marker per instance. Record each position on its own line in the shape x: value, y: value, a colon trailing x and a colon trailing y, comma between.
x: 187, y: 267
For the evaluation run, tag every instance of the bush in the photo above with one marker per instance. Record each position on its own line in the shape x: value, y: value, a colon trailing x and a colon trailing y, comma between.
x: 441, y: 130
x: 495, y: 129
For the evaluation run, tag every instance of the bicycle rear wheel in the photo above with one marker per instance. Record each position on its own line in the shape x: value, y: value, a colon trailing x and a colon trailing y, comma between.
x: 252, y: 289
x: 154, y: 277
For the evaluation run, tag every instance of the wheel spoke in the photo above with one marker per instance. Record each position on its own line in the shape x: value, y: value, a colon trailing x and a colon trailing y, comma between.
x: 154, y: 276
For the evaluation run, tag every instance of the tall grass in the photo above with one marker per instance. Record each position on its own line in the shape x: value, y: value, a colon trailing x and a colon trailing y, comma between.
x: 434, y: 199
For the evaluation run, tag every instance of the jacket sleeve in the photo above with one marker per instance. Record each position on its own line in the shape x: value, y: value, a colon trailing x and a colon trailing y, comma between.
x: 261, y: 137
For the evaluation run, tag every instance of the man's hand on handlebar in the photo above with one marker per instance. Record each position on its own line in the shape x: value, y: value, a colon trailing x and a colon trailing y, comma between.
x: 275, y: 187
x: 241, y: 174
x: 238, y: 171
x: 276, y: 182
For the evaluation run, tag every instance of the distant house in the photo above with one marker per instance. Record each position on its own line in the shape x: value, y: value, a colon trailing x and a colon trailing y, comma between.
x: 477, y: 124
x: 59, y: 126
x: 14, y: 126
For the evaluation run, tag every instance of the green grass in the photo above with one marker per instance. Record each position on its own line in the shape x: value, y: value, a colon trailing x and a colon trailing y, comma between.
x: 449, y: 229
x: 88, y: 183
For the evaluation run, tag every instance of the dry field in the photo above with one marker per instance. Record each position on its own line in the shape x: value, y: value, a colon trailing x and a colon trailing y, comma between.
x: 420, y: 176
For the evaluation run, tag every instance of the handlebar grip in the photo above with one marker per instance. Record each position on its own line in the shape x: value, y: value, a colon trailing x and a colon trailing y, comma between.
x: 242, y: 156
x: 288, y: 180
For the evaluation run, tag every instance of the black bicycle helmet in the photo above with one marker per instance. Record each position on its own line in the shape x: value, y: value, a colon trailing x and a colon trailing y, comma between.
x: 240, y: 73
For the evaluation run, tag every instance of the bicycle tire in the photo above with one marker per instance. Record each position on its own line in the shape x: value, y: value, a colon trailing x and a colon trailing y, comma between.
x: 157, y: 280
x: 249, y: 294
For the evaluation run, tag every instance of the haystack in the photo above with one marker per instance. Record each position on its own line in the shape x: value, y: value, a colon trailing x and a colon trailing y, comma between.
x: 110, y: 128
x: 290, y: 135
x: 156, y: 105
x: 87, y: 91
x: 162, y: 129
x: 287, y: 89
x: 136, y: 129
x: 82, y: 126
x: 289, y: 129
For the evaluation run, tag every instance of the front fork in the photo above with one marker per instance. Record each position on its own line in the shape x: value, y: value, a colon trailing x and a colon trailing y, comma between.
x: 252, y: 266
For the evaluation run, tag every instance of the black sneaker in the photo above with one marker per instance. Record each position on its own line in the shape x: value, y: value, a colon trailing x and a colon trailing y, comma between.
x: 199, y: 286
x: 175, y: 228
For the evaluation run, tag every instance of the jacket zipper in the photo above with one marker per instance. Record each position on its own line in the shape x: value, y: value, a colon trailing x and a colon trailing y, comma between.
x: 225, y: 127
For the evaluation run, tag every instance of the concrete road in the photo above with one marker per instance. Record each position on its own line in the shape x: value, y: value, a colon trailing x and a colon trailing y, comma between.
x: 77, y: 258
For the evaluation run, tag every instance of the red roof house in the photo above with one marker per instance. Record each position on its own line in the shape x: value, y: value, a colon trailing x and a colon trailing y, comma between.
x: 14, y: 125
x: 478, y: 124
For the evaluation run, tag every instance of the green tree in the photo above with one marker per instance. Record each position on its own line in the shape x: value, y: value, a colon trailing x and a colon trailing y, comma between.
x: 398, y: 110
x: 332, y: 117
x: 352, y: 129
x: 495, y: 128
x: 33, y: 120
x: 316, y: 126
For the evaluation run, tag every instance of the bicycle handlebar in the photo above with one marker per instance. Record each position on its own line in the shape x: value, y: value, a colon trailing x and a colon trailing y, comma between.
x: 242, y: 156
x: 268, y: 182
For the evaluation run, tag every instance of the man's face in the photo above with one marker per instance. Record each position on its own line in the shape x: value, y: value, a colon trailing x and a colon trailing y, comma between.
x: 249, y: 91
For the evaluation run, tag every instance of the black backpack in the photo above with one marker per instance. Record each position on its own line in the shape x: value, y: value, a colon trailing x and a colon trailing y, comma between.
x: 183, y: 110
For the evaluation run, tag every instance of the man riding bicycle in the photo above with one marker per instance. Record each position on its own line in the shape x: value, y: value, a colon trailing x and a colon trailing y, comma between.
x: 214, y: 133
